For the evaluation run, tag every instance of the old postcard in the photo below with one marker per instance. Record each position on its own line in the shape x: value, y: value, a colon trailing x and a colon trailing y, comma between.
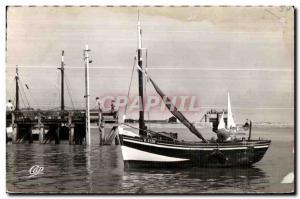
x: 150, y: 100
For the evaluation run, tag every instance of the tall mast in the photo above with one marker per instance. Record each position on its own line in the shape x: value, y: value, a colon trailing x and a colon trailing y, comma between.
x: 62, y: 69
x: 141, y: 89
x: 17, y: 88
x: 87, y: 96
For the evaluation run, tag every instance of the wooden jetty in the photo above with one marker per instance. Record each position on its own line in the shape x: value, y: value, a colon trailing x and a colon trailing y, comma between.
x: 52, y: 126
x: 55, y: 126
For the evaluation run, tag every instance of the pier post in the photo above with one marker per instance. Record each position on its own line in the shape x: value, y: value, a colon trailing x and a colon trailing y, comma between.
x: 71, y: 129
x: 250, y: 128
x: 101, y: 133
x: 41, y: 133
x: 87, y: 96
x: 117, y: 139
x: 62, y: 99
x: 29, y: 131
x: 14, y: 133
x: 57, y: 134
x: 71, y: 134
x: 17, y: 89
x: 14, y: 128
x: 41, y: 129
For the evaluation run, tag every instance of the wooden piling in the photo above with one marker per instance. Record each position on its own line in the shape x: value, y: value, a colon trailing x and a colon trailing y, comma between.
x: 41, y: 129
x: 71, y: 134
x: 14, y: 133
x: 71, y: 129
x: 111, y: 136
x: 29, y: 132
x: 87, y: 96
x: 57, y: 141
x: 250, y: 128
x: 41, y: 133
x: 108, y: 123
x: 60, y: 126
x: 14, y: 128
x: 101, y: 133
x: 117, y: 139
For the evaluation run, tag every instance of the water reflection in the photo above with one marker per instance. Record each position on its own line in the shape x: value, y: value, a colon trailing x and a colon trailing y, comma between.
x: 195, y: 180
x: 77, y: 169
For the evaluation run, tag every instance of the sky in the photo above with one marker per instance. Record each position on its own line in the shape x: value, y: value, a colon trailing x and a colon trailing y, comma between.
x: 195, y: 51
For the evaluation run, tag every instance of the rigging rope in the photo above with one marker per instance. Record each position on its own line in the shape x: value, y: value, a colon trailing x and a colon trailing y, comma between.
x: 128, y: 93
x: 28, y: 90
x: 22, y: 100
x: 69, y: 91
x: 145, y: 83
x: 23, y: 90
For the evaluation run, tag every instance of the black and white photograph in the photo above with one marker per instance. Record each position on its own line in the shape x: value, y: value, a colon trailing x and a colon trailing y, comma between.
x: 148, y: 100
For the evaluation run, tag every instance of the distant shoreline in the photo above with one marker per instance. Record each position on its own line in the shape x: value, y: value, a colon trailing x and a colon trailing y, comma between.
x: 273, y: 124
x: 208, y: 125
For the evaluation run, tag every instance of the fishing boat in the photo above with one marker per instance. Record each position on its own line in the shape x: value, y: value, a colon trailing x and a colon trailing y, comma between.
x: 160, y: 149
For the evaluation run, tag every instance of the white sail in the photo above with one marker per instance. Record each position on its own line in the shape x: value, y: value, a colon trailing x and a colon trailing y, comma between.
x: 230, y: 121
x: 221, y: 123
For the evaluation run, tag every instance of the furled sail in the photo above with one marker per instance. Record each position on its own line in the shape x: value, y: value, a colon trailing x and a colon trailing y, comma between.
x: 176, y: 113
x: 221, y: 123
x: 230, y: 121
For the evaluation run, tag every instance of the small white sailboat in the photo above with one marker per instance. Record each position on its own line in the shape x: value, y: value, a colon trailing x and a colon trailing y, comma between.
x: 231, y: 127
x: 230, y: 121
x: 223, y: 132
x: 221, y: 124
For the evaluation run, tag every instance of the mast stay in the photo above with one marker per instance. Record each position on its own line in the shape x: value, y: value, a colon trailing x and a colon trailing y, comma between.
x: 165, y: 98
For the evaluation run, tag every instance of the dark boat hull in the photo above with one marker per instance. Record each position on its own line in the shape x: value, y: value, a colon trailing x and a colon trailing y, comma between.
x: 139, y: 153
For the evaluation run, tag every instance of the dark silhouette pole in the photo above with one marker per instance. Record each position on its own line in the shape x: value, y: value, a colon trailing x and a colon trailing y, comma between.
x: 62, y: 99
x: 141, y: 89
x: 250, y: 128
x: 17, y: 88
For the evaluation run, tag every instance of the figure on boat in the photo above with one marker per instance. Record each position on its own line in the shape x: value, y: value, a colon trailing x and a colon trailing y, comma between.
x: 246, y: 126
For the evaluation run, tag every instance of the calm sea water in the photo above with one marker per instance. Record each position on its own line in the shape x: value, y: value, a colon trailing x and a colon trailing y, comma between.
x: 75, y: 169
